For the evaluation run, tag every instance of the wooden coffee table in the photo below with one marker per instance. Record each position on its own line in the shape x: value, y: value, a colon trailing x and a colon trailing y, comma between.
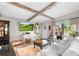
x: 38, y: 42
x: 41, y: 43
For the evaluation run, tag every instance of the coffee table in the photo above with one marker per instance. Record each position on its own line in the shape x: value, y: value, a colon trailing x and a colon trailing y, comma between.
x: 41, y: 43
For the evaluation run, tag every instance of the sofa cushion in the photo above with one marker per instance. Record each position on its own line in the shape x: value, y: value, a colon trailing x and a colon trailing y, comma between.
x: 60, y: 47
x: 47, y: 52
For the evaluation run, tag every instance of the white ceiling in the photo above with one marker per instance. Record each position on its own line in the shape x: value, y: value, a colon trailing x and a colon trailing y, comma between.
x: 13, y: 11
x: 40, y: 19
x: 36, y: 5
x: 62, y: 8
x: 58, y: 10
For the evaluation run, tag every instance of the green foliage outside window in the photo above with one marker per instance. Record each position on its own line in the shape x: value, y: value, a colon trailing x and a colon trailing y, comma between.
x: 68, y: 29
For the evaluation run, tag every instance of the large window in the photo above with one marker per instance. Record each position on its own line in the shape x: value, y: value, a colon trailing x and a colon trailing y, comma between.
x: 71, y: 26
x: 68, y: 26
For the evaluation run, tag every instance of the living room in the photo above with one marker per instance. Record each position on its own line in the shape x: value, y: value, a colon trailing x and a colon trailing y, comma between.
x: 33, y: 31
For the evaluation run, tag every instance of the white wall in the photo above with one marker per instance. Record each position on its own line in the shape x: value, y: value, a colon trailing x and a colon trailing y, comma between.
x: 15, y: 34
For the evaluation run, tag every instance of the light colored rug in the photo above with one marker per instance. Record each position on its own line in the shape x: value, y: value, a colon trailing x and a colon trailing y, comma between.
x: 27, y: 51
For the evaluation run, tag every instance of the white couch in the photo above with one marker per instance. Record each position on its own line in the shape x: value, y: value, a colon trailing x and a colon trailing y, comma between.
x: 47, y: 52
x: 73, y: 50
x: 56, y: 49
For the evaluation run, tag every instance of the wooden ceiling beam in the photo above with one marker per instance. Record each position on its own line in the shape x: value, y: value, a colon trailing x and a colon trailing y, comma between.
x: 47, y: 7
x: 32, y: 10
x: 44, y: 9
x: 23, y: 6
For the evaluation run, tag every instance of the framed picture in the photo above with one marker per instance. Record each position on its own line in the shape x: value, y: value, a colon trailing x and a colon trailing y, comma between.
x: 49, y: 27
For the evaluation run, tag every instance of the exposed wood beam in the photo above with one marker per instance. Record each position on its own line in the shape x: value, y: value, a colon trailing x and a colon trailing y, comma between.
x: 46, y: 8
x: 22, y: 6
x: 32, y: 10
x: 47, y: 16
